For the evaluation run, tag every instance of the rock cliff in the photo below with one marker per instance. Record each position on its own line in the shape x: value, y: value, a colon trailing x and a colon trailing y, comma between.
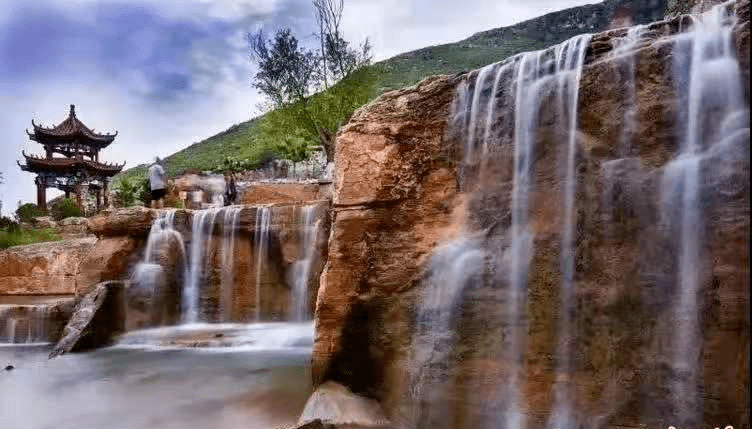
x: 415, y: 303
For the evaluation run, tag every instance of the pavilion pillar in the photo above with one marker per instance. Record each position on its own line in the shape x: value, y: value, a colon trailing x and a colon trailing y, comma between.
x: 41, y: 193
x: 106, y: 193
x: 82, y: 191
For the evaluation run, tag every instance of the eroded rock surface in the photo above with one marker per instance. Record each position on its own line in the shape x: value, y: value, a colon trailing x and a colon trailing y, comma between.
x: 404, y: 186
x: 97, y: 318
x: 43, y: 268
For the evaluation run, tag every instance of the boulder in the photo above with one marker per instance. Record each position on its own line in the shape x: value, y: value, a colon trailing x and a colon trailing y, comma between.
x: 134, y: 221
x: 334, y: 405
x: 109, y: 259
x: 97, y: 318
x: 43, y: 268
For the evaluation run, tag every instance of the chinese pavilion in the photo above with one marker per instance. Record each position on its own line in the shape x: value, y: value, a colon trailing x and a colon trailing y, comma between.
x: 78, y: 169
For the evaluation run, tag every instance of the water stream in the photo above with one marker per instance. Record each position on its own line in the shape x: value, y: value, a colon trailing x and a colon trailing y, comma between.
x: 709, y: 81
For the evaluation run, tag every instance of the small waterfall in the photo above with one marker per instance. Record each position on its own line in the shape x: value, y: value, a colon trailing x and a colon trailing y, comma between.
x: 625, y: 50
x: 24, y: 323
x: 709, y: 81
x: 201, y: 233
x: 231, y: 216
x: 148, y: 272
x: 453, y: 267
x: 301, y: 270
x: 261, y: 238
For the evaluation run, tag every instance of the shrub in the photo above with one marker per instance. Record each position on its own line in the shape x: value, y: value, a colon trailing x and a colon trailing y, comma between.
x: 132, y: 190
x: 27, y: 212
x: 64, y: 208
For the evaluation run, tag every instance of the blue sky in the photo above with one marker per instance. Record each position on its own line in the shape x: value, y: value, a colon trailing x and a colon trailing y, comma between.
x: 167, y: 74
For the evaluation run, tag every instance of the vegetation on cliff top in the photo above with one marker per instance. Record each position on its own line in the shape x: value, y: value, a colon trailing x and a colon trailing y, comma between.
x: 242, y: 142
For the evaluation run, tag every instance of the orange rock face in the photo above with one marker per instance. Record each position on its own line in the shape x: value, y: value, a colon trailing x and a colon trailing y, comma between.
x: 65, y: 267
x: 402, y: 189
x: 43, y: 268
x: 395, y: 193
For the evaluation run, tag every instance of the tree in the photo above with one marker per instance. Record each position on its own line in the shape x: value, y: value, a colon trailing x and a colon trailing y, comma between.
x: 289, y: 73
x: 286, y: 71
x: 338, y: 59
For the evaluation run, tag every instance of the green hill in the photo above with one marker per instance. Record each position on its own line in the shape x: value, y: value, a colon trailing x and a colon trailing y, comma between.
x: 409, y: 68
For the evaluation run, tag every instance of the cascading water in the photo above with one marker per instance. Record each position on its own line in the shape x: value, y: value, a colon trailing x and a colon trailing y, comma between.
x: 201, y: 233
x: 530, y: 80
x: 149, y: 278
x: 625, y: 51
x: 453, y: 267
x: 261, y: 238
x: 231, y: 216
x: 709, y: 82
x: 301, y: 271
x: 569, y: 60
x: 24, y: 323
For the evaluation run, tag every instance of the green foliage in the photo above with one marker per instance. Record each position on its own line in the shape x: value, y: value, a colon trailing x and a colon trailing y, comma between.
x: 65, y: 207
x: 244, y: 141
x: 286, y: 71
x: 293, y: 130
x: 11, y: 234
x: 27, y: 212
x: 132, y: 190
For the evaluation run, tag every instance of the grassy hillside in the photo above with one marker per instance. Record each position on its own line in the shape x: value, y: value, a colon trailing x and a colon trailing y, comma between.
x: 205, y: 155
x: 409, y: 68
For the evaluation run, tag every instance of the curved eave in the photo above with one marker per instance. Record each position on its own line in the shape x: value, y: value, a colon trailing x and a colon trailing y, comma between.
x: 76, y: 131
x: 62, y: 165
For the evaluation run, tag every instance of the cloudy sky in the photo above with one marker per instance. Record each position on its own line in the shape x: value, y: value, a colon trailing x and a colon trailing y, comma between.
x: 166, y: 74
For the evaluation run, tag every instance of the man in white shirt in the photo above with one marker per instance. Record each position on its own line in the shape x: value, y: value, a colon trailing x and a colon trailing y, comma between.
x: 157, y: 184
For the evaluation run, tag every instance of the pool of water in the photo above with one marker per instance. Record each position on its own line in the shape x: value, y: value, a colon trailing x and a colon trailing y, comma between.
x: 224, y: 376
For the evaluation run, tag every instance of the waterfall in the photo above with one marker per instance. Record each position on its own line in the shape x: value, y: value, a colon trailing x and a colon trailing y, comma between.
x: 261, y: 238
x: 231, y: 216
x: 162, y: 231
x: 201, y: 233
x: 149, y: 276
x: 569, y: 59
x: 708, y: 80
x: 301, y: 270
x: 625, y: 50
x: 453, y: 267
x: 24, y: 323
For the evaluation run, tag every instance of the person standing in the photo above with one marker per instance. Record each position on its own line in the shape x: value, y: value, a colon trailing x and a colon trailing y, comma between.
x: 231, y: 192
x: 157, y: 184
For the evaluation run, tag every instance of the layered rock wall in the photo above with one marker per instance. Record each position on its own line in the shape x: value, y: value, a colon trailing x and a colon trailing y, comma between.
x: 403, y: 187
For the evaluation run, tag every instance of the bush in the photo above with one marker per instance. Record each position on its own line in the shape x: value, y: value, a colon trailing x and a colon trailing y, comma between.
x: 64, y: 208
x: 27, y: 212
x: 132, y: 190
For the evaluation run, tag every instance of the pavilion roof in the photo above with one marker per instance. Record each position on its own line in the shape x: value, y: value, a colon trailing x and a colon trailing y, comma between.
x: 62, y: 166
x: 70, y: 128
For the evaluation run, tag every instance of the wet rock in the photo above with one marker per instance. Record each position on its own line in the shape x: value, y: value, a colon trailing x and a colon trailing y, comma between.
x: 401, y: 185
x: 109, y: 259
x: 98, y: 317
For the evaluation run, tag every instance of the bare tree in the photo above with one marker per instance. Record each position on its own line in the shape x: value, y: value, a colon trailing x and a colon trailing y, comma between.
x: 338, y: 59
